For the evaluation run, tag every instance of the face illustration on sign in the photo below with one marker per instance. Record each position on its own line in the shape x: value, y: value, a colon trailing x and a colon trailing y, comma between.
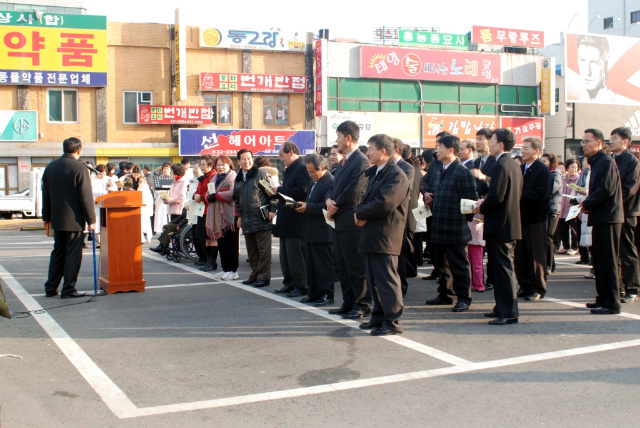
x: 592, y: 64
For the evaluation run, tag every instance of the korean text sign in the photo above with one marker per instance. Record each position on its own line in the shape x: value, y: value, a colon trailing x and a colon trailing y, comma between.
x: 247, y: 82
x: 427, y: 38
x: 508, y: 37
x: 57, y: 49
x: 262, y: 39
x: 197, y: 142
x: 425, y: 64
x: 462, y: 126
x: 174, y: 115
x: 524, y: 127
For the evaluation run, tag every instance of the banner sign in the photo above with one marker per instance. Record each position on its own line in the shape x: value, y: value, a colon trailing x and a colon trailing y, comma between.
x: 524, y: 127
x: 57, y: 49
x: 432, y: 65
x: 321, y: 77
x: 602, y: 69
x: 434, y: 40
x: 18, y: 125
x: 462, y: 126
x: 254, y: 40
x: 405, y: 126
x: 180, y: 63
x: 174, y: 115
x: 507, y: 37
x: 548, y: 87
x: 263, y: 142
x: 247, y: 82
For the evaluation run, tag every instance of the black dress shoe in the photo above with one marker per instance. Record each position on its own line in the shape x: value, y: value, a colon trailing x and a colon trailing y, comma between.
x: 260, y: 283
x: 385, y: 331
x: 51, y: 293
x: 157, y: 249
x: 72, y: 295
x: 248, y: 281
x: 491, y: 315
x: 605, y: 311
x: 285, y: 289
x: 355, y: 314
x: 592, y: 305
x: 460, y: 307
x: 307, y: 300
x: 523, y: 293
x: 503, y: 321
x: 201, y: 262
x: 370, y: 325
x: 534, y: 297
x: 324, y: 300
x: 440, y: 300
x: 297, y: 292
x: 488, y: 286
x: 340, y: 311
x: 629, y: 298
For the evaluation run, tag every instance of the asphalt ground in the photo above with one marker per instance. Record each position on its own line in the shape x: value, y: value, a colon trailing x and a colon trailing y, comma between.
x: 192, y: 351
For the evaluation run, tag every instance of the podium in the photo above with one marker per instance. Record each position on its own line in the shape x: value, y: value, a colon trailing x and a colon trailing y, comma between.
x: 120, y: 242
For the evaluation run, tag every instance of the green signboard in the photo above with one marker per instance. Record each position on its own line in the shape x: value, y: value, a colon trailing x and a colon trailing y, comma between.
x: 18, y: 125
x: 434, y: 40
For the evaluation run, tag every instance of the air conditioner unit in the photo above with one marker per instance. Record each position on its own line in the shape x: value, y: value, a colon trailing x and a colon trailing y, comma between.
x: 516, y: 108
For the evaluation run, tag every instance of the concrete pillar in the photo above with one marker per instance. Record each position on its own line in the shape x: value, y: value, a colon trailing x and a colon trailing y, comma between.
x: 101, y: 115
x: 247, y: 100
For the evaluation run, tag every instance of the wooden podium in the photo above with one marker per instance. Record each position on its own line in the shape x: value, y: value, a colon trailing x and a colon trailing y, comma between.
x: 120, y: 242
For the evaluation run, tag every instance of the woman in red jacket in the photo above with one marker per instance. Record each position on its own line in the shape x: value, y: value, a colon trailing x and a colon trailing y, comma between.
x: 206, y: 249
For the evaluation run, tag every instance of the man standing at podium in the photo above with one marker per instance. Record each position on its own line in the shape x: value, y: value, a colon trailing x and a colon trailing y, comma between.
x: 67, y: 206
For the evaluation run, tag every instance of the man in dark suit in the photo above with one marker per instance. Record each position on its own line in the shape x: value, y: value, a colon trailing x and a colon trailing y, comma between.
x: 466, y: 153
x: 67, y: 207
x: 606, y: 214
x: 348, y: 186
x: 531, y: 251
x: 382, y: 214
x: 502, y: 228
x: 317, y: 234
x: 295, y: 185
x: 451, y: 232
x: 629, y: 169
x: 406, y: 255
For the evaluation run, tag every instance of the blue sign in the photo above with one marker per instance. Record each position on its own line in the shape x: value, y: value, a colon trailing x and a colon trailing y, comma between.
x: 262, y: 142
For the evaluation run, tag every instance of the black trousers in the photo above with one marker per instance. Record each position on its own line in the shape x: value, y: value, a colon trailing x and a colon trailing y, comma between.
x: 530, y: 259
x: 500, y: 267
x: 229, y: 249
x: 629, y: 256
x: 351, y: 271
x: 259, y: 251
x: 320, y: 265
x: 552, y: 225
x: 406, y: 263
x: 292, y: 263
x: 606, y: 244
x: 569, y: 233
x: 455, y: 271
x: 65, y: 261
x: 383, y: 278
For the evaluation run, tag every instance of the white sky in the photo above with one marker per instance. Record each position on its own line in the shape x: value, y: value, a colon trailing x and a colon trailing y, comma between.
x: 355, y: 18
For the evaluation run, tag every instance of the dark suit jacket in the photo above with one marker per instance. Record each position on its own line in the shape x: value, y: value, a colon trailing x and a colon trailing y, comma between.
x: 316, y: 228
x: 482, y: 187
x: 537, y: 186
x: 384, y: 206
x: 449, y: 225
x: 501, y: 208
x: 295, y: 184
x: 410, y: 171
x: 67, y: 198
x: 629, y: 169
x: 605, y: 193
x: 469, y: 163
x: 348, y: 186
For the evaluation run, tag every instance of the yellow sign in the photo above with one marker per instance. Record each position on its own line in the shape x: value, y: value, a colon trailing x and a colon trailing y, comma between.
x: 547, y: 87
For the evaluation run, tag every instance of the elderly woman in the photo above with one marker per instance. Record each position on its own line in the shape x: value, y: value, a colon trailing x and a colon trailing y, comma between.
x: 221, y: 220
x: 177, y: 192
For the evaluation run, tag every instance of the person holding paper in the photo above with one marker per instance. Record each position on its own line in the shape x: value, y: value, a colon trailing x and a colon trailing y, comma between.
x: 450, y: 231
x: 317, y: 234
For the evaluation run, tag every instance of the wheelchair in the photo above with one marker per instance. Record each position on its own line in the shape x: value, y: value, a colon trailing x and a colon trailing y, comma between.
x: 181, y: 245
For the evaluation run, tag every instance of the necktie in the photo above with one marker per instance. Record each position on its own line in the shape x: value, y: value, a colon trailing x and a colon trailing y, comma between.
x: 481, y: 163
x: 444, y: 170
x: 344, y: 160
x: 312, y: 187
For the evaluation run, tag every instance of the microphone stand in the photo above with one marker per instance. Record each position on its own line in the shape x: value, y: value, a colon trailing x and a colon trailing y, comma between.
x: 96, y: 292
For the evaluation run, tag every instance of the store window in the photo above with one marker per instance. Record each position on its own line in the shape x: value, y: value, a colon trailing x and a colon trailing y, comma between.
x: 221, y: 107
x: 132, y: 99
x: 275, y: 110
x: 607, y: 23
x: 63, y: 105
x: 635, y: 16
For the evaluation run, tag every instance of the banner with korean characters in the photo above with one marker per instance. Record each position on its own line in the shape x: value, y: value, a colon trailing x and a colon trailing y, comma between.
x: 405, y: 126
x: 56, y: 49
x: 548, y: 87
x: 507, y: 37
x: 174, y: 115
x: 247, y: 82
x: 18, y: 125
x: 460, y: 125
x: 263, y: 142
x: 262, y: 39
x: 427, y: 64
x: 433, y: 40
x: 524, y: 127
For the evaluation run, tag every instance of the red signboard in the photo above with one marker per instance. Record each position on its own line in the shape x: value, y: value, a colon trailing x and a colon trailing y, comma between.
x: 319, y: 71
x: 174, y: 115
x: 507, y: 37
x: 424, y: 64
x: 524, y: 127
x: 462, y: 126
x: 247, y: 82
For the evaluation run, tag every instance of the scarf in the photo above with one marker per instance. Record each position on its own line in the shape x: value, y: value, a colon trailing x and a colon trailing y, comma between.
x: 221, y: 214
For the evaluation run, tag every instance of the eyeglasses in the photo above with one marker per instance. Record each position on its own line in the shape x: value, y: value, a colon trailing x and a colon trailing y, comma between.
x: 585, y: 142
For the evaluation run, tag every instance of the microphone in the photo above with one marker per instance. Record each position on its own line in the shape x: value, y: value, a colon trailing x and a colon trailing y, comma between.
x: 90, y: 168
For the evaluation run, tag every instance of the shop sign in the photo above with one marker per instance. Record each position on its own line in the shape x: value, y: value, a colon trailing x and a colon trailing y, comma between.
x: 507, y: 37
x: 269, y: 40
x: 321, y: 77
x: 405, y: 126
x: 263, y: 142
x: 462, y: 126
x: 247, y: 82
x: 524, y: 127
x: 433, y: 40
x: 174, y: 115
x: 548, y: 87
x: 18, y: 125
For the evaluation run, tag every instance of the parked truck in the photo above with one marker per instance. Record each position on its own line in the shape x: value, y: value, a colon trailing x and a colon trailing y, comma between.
x: 28, y: 202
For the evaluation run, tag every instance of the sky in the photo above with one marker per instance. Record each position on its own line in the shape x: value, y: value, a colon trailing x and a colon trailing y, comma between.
x: 355, y: 19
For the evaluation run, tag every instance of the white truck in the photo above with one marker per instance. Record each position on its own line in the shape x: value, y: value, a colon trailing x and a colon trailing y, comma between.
x: 27, y: 202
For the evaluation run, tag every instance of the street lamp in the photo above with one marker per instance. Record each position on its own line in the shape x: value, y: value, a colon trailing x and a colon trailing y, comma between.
x: 589, y: 27
x: 613, y: 21
x: 571, y: 20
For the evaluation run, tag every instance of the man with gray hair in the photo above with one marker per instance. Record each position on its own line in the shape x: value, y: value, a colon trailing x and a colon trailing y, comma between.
x: 317, y: 234
x: 467, y: 148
